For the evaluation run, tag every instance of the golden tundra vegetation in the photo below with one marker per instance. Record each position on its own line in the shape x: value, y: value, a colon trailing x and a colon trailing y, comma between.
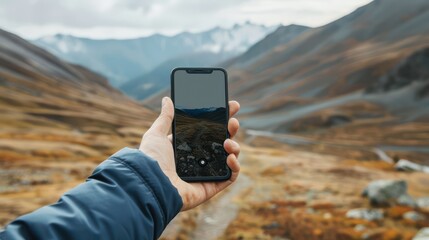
x: 58, y: 121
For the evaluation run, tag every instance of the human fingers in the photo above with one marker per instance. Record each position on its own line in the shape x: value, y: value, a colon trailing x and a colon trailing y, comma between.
x: 234, y: 107
x: 162, y: 124
x: 231, y: 147
x: 233, y: 126
x: 234, y: 165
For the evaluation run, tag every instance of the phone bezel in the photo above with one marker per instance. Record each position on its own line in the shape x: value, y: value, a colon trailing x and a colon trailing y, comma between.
x: 187, y: 69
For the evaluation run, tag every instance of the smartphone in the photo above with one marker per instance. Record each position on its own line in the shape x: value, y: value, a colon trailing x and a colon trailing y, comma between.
x: 200, y: 125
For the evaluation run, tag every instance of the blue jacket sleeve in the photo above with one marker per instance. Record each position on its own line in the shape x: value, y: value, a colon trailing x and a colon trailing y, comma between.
x: 126, y: 197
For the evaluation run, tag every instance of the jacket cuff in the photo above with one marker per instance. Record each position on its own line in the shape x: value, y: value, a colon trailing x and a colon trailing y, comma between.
x: 169, y: 200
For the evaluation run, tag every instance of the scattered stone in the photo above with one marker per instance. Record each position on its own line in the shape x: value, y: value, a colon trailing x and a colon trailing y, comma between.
x: 360, y: 228
x: 408, y: 166
x: 406, y: 200
x: 184, y: 146
x: 388, y: 193
x: 413, y: 216
x: 365, y: 213
x: 423, y: 202
x: 423, y: 234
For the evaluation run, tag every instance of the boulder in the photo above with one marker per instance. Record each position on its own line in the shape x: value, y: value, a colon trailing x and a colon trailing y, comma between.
x: 406, y: 200
x: 414, y: 216
x: 388, y: 193
x: 408, y: 166
x: 423, y: 202
x: 423, y: 234
x: 365, y: 213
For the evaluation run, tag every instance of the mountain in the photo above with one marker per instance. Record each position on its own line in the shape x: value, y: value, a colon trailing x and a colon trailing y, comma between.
x: 319, y: 78
x: 280, y: 36
x: 122, y: 60
x: 160, y: 80
x: 412, y: 70
x: 58, y: 121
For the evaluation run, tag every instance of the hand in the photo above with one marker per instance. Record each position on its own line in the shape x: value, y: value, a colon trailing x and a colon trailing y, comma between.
x: 157, y: 144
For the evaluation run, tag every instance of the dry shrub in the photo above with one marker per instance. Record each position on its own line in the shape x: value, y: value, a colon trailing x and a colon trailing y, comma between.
x: 7, y: 155
x: 273, y: 171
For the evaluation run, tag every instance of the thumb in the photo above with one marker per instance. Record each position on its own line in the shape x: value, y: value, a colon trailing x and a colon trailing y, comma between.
x: 162, y: 124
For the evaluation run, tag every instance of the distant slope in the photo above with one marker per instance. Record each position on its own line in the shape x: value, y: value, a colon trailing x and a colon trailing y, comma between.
x: 412, y: 70
x: 282, y: 35
x: 122, y: 60
x: 57, y: 122
x: 47, y: 87
x: 327, y: 69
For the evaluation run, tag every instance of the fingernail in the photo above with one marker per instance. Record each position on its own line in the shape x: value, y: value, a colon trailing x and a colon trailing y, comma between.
x: 163, y: 101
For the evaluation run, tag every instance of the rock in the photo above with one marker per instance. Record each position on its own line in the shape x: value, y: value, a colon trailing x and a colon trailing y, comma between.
x: 388, y: 193
x: 406, y: 200
x: 413, y: 216
x: 408, y: 166
x: 365, y: 213
x: 423, y: 202
x: 423, y: 234
x: 360, y: 228
x: 184, y: 147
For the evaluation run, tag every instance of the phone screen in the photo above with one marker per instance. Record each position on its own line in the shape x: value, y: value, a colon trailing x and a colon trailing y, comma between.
x: 200, y: 126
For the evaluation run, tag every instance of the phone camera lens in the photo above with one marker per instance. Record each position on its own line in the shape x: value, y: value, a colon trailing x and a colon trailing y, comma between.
x: 202, y: 162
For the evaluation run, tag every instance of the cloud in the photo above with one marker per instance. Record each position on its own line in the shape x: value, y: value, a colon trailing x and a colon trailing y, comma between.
x: 133, y: 18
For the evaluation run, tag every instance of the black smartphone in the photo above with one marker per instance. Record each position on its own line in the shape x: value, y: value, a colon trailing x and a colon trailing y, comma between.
x: 200, y: 125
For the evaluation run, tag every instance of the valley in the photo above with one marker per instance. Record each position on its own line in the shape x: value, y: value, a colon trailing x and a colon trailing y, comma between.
x: 326, y: 113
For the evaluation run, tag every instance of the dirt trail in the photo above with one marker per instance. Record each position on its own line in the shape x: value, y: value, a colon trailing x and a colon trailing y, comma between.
x: 212, y: 218
x: 213, y: 221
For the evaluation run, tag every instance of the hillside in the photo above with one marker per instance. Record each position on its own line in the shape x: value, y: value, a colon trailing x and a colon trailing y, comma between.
x: 281, y: 36
x: 58, y: 121
x: 126, y: 59
x: 338, y: 59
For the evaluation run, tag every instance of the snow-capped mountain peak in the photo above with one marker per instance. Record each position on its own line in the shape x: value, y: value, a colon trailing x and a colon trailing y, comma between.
x: 122, y: 60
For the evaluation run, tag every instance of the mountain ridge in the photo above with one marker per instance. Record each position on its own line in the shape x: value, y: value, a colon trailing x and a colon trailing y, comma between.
x: 151, y: 100
x: 334, y: 60
x: 122, y: 60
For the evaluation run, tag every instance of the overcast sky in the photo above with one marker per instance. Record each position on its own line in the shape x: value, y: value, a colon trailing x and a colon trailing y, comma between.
x: 134, y: 18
